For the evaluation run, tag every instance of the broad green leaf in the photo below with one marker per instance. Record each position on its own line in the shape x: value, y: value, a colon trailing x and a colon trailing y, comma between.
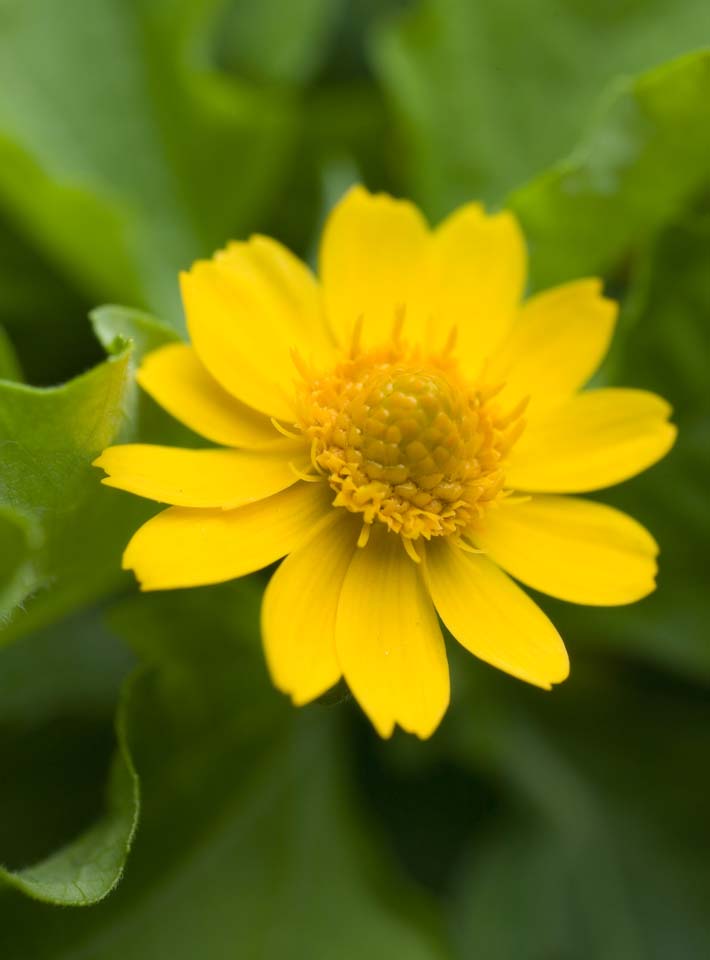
x: 143, y: 157
x: 637, y: 170
x: 46, y: 685
x: 488, y: 94
x: 48, y: 440
x: 250, y: 844
x: 278, y: 42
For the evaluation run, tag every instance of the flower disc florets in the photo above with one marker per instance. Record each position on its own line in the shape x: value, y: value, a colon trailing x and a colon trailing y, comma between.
x: 404, y: 439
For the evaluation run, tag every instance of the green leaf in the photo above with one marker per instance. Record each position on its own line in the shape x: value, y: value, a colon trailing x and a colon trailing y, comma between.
x: 49, y: 793
x: 249, y: 841
x: 638, y: 170
x: 144, y: 157
x: 277, y: 42
x: 49, y: 438
x: 488, y: 94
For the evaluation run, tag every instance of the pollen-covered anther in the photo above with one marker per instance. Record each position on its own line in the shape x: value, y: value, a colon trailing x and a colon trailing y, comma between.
x: 404, y: 439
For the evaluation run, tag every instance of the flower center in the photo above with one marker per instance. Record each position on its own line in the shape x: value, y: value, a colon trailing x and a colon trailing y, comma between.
x: 406, y: 440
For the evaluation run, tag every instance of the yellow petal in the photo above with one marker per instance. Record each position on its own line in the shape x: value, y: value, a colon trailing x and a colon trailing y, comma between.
x: 371, y: 259
x: 492, y: 617
x: 247, y: 309
x: 184, y: 547
x: 175, y: 378
x: 478, y: 276
x: 573, y: 549
x: 595, y: 439
x: 201, y: 478
x: 300, y: 604
x: 389, y: 642
x: 556, y: 344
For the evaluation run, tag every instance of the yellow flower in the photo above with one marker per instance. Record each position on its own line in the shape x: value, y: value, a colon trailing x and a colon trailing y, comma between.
x: 405, y: 429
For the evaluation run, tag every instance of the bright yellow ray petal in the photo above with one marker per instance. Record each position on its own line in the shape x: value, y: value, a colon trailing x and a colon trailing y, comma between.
x: 477, y: 279
x: 300, y: 604
x: 574, y: 549
x: 202, y: 478
x: 289, y: 288
x: 492, y: 617
x: 175, y: 378
x: 556, y: 344
x: 594, y: 440
x: 389, y: 642
x: 371, y: 258
x: 184, y: 547
x: 247, y: 309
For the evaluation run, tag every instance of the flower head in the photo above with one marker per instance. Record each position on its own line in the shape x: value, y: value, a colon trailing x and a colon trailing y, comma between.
x: 406, y: 432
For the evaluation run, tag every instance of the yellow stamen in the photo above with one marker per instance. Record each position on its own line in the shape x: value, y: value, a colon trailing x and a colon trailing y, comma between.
x: 466, y: 547
x: 364, y: 537
x: 411, y: 549
x: 302, y: 475
x: 286, y: 433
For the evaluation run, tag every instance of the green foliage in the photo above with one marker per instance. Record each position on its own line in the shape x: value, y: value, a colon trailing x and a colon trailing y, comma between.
x: 89, y: 867
x: 249, y: 840
x: 123, y: 173
x: 50, y: 436
x: 578, y: 842
x: 588, y: 214
x: 489, y: 94
x: 278, y: 43
x: 48, y: 487
x: 661, y: 346
x: 57, y: 858
x: 136, y: 136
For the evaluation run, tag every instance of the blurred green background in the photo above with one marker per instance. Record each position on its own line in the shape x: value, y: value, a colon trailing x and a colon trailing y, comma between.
x: 138, y: 135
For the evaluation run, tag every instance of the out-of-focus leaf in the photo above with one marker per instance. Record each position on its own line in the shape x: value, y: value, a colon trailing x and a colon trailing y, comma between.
x: 48, y: 439
x: 637, y: 170
x: 47, y: 685
x: 9, y: 365
x: 124, y: 155
x: 603, y: 851
x: 277, y: 42
x: 491, y: 93
x: 249, y: 842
